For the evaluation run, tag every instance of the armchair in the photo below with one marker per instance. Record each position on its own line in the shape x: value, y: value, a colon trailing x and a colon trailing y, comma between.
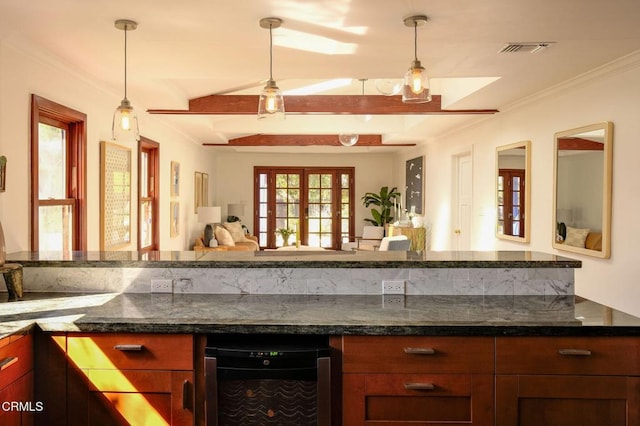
x: 395, y: 243
x: 370, y: 239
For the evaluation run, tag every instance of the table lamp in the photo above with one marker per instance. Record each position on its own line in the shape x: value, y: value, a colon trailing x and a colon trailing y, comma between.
x: 209, y: 216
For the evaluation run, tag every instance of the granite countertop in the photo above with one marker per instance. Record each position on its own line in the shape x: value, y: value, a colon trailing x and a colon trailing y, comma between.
x: 304, y: 314
x: 294, y: 259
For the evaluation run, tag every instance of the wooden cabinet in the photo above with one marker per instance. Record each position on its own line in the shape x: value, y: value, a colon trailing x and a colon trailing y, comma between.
x: 117, y: 378
x: 418, y: 236
x: 16, y: 381
x: 567, y: 381
x: 417, y: 380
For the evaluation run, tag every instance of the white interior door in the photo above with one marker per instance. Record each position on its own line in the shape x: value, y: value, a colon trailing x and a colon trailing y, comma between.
x: 463, y: 200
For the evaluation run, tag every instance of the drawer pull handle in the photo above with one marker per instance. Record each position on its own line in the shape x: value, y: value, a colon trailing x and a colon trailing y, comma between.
x: 129, y: 348
x: 7, y: 362
x: 575, y: 352
x: 185, y: 395
x: 419, y: 351
x: 419, y: 386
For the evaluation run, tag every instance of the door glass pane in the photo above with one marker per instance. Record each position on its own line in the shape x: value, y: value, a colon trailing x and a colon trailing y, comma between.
x: 146, y: 222
x: 144, y: 175
x: 55, y: 225
x: 287, y: 204
x: 52, y: 162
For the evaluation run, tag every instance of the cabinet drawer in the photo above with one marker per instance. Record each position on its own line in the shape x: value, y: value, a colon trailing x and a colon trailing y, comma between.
x: 391, y: 398
x: 568, y: 355
x: 411, y: 354
x: 16, y: 358
x: 131, y: 351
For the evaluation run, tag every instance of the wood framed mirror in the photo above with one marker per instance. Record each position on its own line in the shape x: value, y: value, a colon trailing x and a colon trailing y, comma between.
x: 513, y: 193
x: 582, y: 190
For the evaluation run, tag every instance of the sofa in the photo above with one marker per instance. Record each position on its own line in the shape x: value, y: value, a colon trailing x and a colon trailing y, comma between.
x: 230, y: 236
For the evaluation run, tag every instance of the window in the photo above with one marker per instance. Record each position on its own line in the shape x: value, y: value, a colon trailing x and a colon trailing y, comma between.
x: 511, y: 194
x: 58, y: 181
x: 148, y: 211
x: 315, y: 202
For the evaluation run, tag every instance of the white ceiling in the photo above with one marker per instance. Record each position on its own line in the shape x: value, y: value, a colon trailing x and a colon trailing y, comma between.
x: 195, y: 48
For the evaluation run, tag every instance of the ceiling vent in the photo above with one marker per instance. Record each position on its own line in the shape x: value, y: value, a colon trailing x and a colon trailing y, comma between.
x: 525, y: 47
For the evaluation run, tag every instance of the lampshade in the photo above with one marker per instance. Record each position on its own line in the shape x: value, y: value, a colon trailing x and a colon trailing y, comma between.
x: 125, y: 120
x: 271, y: 103
x: 416, y: 88
x: 209, y: 214
x: 236, y: 210
x: 348, y: 139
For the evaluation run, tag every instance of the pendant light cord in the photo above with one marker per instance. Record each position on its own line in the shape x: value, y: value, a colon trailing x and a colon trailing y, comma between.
x: 415, y: 39
x: 270, y: 52
x: 125, y: 63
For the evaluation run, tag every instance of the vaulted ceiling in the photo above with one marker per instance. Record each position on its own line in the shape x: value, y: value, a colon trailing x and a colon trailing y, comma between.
x: 184, y: 51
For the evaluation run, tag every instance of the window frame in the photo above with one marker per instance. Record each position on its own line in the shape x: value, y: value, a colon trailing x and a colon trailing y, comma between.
x: 153, y: 150
x: 49, y: 112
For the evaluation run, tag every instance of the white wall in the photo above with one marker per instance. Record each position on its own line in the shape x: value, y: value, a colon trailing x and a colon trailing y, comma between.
x: 234, y: 171
x: 23, y: 74
x: 608, y: 94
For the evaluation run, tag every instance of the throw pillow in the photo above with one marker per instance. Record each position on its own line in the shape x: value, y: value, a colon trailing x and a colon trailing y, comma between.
x: 576, y: 236
x: 235, y: 229
x: 224, y: 237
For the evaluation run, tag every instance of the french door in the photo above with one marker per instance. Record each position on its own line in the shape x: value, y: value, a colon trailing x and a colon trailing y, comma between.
x: 315, y: 203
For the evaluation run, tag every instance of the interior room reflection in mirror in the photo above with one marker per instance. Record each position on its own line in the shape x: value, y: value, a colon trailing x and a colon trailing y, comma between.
x: 580, y: 185
x: 512, y: 164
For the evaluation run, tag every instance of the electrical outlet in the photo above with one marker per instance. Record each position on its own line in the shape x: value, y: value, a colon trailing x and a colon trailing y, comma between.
x: 392, y: 301
x: 393, y: 287
x: 161, y: 286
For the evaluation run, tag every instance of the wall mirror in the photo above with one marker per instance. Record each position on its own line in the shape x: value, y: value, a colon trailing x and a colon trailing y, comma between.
x: 582, y: 190
x: 513, y: 194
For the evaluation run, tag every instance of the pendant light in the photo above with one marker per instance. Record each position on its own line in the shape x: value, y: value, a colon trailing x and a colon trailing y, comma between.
x: 125, y: 119
x: 416, y: 82
x: 271, y: 102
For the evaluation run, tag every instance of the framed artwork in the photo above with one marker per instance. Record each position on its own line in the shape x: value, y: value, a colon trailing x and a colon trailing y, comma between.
x: 414, y: 185
x: 175, y: 179
x: 175, y: 219
x: 205, y: 189
x: 197, y: 192
x: 115, y: 196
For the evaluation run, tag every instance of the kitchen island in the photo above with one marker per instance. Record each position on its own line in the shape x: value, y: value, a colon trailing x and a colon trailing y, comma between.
x: 497, y: 335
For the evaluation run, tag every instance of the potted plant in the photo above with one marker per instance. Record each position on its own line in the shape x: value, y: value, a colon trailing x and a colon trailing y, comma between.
x: 385, y: 200
x: 285, y: 233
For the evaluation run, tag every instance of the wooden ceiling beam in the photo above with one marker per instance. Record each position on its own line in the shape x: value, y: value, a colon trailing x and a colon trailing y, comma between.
x: 317, y: 104
x: 303, y: 140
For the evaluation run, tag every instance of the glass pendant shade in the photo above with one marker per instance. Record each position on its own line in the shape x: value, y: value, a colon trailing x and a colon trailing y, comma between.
x: 124, y: 127
x: 415, y: 89
x: 125, y: 123
x: 348, y: 139
x: 271, y: 102
x: 416, y: 85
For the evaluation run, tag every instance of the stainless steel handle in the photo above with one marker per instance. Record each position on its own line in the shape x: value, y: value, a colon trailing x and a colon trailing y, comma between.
x: 575, y: 352
x: 129, y: 348
x: 7, y: 362
x: 420, y: 351
x: 185, y: 395
x: 419, y: 386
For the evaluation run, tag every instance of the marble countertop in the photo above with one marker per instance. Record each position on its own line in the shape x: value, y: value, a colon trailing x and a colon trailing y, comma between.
x: 294, y: 259
x: 304, y: 314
